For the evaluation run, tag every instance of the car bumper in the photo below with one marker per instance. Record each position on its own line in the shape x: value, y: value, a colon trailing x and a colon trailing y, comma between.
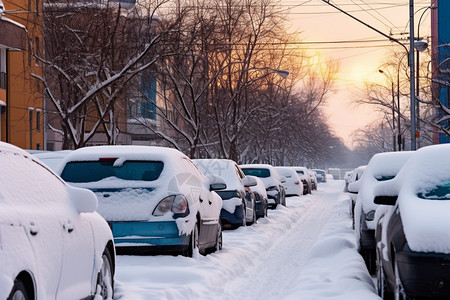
x: 148, y: 236
x: 424, y: 274
x: 233, y: 219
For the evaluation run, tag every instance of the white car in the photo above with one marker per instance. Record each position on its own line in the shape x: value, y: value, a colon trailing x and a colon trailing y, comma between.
x: 155, y: 199
x: 355, y: 175
x: 272, y: 181
x: 303, y: 173
x: 293, y: 184
x: 381, y: 167
x: 238, y: 200
x: 53, y: 245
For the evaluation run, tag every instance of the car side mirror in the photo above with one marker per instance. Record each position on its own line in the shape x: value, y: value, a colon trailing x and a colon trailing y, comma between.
x: 385, y: 200
x: 249, y: 181
x: 216, y: 183
x: 84, y: 200
x: 353, y: 188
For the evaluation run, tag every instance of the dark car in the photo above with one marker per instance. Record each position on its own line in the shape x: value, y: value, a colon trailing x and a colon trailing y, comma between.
x: 238, y: 206
x: 412, y: 233
x: 273, y: 182
x: 381, y: 167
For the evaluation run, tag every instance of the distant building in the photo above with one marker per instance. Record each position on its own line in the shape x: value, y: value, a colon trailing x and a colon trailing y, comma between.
x: 440, y: 31
x: 21, y: 100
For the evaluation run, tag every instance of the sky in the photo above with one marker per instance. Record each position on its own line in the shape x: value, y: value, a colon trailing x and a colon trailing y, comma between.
x: 358, y: 61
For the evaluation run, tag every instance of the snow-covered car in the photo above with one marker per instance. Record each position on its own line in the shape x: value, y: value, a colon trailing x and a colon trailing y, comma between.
x: 381, y: 167
x: 354, y: 176
x: 52, y: 158
x: 155, y: 199
x: 321, y: 175
x: 305, y: 178
x: 238, y: 200
x: 313, y: 178
x: 259, y: 190
x: 293, y: 184
x: 53, y: 245
x: 413, y: 236
x: 272, y: 181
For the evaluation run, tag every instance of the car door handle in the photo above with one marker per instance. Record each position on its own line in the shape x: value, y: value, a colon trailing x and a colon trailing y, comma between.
x: 201, y: 200
x: 210, y: 202
x: 34, y: 229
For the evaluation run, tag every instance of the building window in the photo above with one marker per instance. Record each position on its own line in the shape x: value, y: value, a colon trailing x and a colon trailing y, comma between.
x: 38, y: 120
x: 3, y: 81
x: 38, y: 50
x: 144, y: 107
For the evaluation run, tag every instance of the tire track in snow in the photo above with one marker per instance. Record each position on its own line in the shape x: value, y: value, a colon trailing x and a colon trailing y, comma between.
x: 282, y: 263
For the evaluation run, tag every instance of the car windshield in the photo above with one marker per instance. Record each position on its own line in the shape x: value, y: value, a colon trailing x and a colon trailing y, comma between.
x: 440, y: 192
x: 262, y: 173
x: 91, y: 171
x: 384, y: 177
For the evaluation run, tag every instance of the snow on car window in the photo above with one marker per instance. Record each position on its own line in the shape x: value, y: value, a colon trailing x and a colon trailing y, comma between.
x: 441, y: 192
x: 92, y: 171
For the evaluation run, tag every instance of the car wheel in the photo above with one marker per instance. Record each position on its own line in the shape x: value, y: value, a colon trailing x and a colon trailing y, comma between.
x: 19, y: 291
x: 193, y: 243
x: 219, y: 239
x: 369, y: 259
x: 266, y: 210
x: 105, y: 278
x: 381, y: 282
x: 399, y: 293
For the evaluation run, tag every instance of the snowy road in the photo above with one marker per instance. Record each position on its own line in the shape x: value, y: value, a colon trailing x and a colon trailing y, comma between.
x: 303, y: 251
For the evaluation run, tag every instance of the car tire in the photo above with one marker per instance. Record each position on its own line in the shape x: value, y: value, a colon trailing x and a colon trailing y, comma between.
x: 219, y: 238
x: 193, y: 243
x: 105, y: 278
x: 369, y: 259
x: 381, y: 282
x: 399, y: 293
x: 19, y: 291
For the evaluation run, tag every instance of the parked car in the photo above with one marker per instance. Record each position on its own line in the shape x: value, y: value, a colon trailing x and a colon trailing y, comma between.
x: 259, y: 190
x: 293, y: 184
x: 305, y: 178
x: 239, y: 203
x: 272, y: 181
x: 53, y: 243
x: 412, y: 234
x: 52, y: 158
x: 355, y: 176
x: 313, y: 178
x: 381, y: 167
x: 321, y: 175
x: 155, y: 199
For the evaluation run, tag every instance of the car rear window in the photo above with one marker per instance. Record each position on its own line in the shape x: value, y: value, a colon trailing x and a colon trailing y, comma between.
x: 262, y: 173
x: 441, y: 192
x: 91, y: 171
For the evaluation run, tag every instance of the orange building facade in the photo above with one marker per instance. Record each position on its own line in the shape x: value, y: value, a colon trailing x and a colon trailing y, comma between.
x: 21, y: 94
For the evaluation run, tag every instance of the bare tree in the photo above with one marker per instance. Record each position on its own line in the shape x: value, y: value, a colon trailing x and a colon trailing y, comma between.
x: 92, y: 52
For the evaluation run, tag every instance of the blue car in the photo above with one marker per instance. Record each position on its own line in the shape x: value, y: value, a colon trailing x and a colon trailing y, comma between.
x: 154, y: 199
